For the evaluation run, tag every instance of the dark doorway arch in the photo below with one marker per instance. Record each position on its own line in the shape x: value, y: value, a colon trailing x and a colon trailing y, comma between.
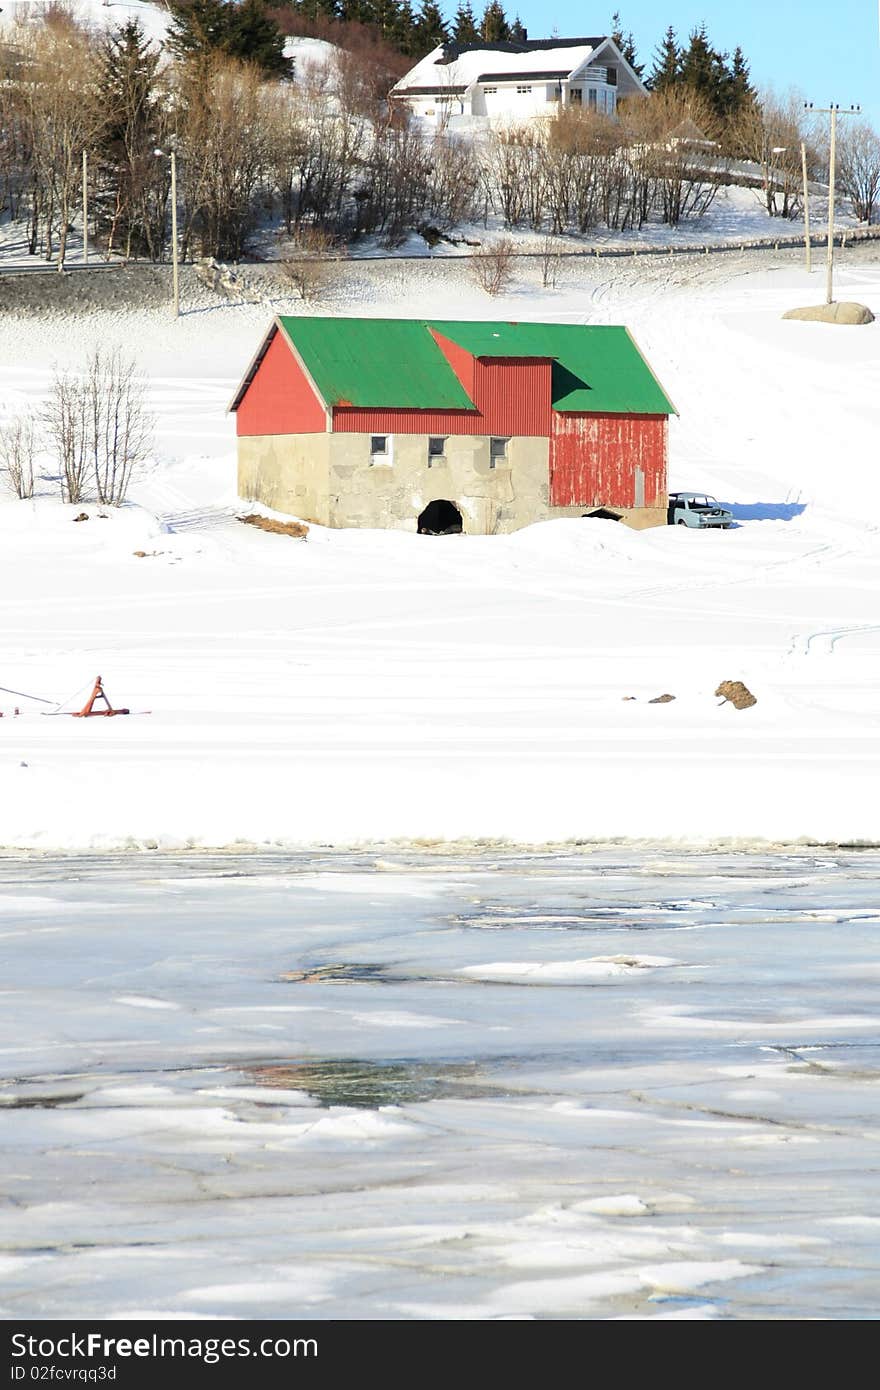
x: 440, y: 518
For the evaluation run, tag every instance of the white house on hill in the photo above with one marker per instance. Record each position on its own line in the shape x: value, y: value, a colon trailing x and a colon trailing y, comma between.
x: 517, y: 80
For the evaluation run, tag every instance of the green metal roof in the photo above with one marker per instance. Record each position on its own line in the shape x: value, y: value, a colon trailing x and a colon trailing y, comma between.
x: 397, y: 363
x: 596, y: 367
x: 376, y: 362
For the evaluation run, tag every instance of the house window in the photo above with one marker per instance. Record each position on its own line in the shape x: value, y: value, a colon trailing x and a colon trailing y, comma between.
x: 523, y: 91
x: 380, y: 448
x: 575, y: 96
x: 497, y: 451
x: 490, y: 91
x: 436, y: 448
x: 591, y: 95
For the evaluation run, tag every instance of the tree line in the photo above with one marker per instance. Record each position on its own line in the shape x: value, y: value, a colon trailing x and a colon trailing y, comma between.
x: 326, y: 159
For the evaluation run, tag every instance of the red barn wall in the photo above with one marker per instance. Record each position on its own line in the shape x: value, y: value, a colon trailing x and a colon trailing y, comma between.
x: 358, y: 419
x: 593, y: 460
x: 280, y: 399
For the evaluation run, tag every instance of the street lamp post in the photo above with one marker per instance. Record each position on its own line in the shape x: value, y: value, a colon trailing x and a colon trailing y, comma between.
x: 833, y: 111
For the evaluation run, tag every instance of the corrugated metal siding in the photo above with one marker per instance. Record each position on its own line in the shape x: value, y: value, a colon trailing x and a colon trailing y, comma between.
x: 593, y: 460
x: 512, y: 398
x: 280, y: 399
x: 355, y: 419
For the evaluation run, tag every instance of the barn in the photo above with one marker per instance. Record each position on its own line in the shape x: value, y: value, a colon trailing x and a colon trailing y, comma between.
x: 440, y: 426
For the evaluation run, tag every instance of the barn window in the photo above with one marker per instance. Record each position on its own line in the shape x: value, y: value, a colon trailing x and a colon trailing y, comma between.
x: 436, y: 448
x: 380, y: 448
x: 497, y: 451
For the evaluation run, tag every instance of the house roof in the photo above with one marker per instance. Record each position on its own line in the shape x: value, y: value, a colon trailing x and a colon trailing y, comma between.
x: 532, y: 75
x: 396, y: 363
x: 435, y: 91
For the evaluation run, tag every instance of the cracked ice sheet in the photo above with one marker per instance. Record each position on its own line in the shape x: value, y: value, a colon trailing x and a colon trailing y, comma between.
x: 613, y: 1152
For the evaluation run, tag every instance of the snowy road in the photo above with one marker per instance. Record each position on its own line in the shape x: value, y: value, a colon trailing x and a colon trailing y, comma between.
x: 440, y: 1086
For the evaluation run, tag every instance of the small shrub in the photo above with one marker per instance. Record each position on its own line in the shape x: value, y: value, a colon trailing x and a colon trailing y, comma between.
x: 19, y: 443
x: 309, y: 267
x: 492, y: 265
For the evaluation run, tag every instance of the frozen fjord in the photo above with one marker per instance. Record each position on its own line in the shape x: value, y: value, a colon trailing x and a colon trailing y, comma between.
x: 607, y: 1083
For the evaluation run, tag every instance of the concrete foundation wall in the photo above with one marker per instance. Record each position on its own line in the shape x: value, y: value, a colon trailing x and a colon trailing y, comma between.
x: 392, y: 494
x: 331, y: 479
x: 288, y: 472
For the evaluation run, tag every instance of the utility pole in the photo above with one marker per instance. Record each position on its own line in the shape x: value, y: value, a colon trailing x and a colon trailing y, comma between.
x: 175, y: 275
x: 833, y: 111
x: 175, y: 267
x: 85, y: 208
x: 807, y: 245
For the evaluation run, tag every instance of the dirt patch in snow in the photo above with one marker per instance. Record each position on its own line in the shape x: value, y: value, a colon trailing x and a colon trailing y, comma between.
x: 297, y: 529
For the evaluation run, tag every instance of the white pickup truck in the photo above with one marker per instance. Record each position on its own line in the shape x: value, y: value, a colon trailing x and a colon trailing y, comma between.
x: 697, y: 509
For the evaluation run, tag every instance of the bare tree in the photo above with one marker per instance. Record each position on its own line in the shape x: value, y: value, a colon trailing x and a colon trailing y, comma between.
x: 858, y: 155
x: 223, y: 151
x: 309, y: 267
x: 99, y: 426
x: 120, y: 427
x: 56, y: 90
x: 65, y: 417
x: 769, y: 132
x: 549, y: 259
x: 492, y: 265
x: 19, y: 443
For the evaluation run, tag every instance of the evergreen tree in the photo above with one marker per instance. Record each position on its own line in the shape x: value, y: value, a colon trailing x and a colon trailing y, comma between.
x: 666, y: 71
x: 517, y: 31
x: 130, y: 204
x: 494, y: 27
x: 740, y: 92
x: 464, y: 26
x: 256, y: 38
x: 317, y: 9
x: 700, y: 66
x: 197, y: 27
x: 403, y: 32
x: 430, y: 27
x: 626, y: 44
x: 241, y: 30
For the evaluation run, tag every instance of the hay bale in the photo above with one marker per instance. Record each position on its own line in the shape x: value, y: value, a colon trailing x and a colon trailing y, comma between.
x: 846, y: 311
x: 661, y: 699
x: 736, y: 693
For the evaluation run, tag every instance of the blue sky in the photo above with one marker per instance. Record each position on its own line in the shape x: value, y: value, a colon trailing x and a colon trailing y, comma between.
x: 828, y: 52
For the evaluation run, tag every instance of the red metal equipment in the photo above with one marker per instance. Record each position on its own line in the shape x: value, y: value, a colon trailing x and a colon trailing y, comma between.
x: 88, y: 709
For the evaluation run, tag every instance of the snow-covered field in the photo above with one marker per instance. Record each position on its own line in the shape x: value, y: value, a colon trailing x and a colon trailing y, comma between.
x: 439, y: 1086
x: 370, y: 686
